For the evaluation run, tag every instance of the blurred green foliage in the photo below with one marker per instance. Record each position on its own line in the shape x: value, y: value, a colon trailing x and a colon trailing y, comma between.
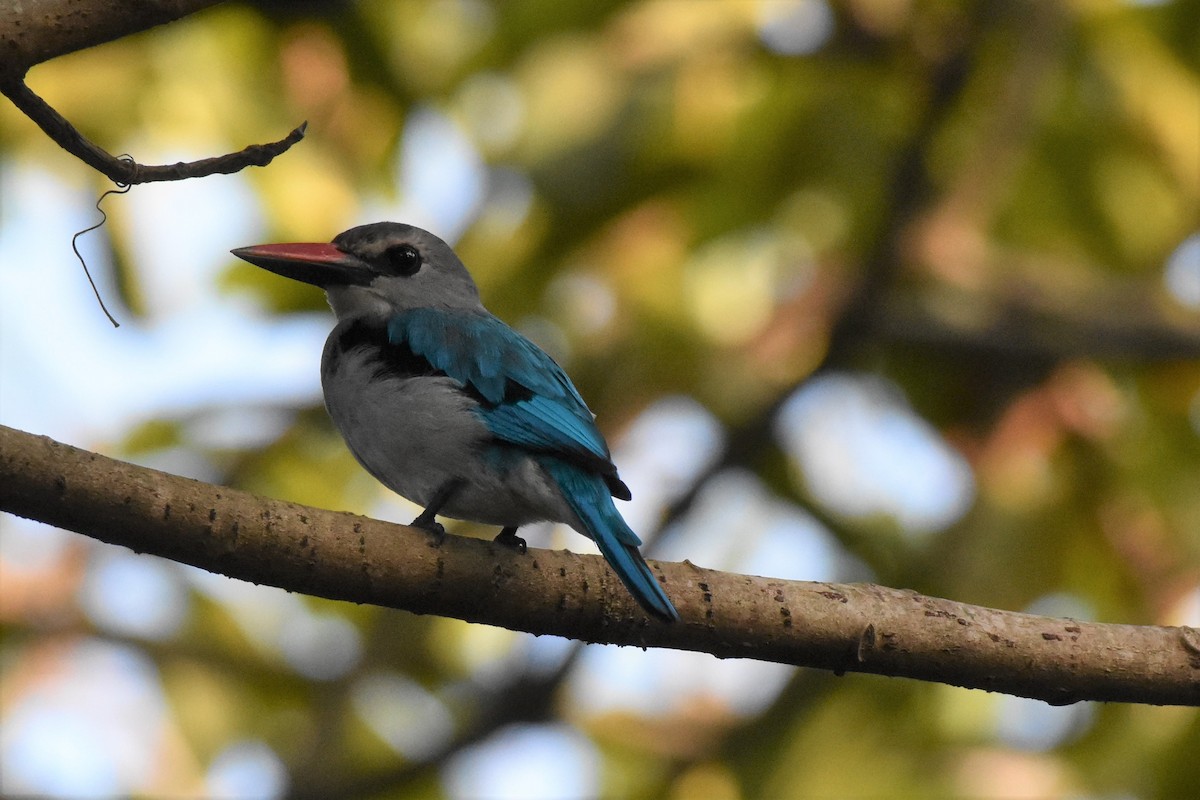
x: 972, y: 199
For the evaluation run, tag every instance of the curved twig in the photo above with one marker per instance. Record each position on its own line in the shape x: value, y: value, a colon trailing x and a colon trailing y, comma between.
x: 122, y: 171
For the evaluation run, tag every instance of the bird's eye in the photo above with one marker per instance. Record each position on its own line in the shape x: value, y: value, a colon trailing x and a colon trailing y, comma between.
x: 402, y: 259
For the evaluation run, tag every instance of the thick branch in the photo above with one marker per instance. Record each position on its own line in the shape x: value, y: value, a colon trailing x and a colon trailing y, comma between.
x: 33, y: 32
x: 841, y: 627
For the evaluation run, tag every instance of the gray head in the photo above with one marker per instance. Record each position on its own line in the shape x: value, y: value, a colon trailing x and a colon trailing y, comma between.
x: 374, y: 270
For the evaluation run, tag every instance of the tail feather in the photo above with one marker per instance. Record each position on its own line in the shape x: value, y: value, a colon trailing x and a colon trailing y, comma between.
x: 590, y: 500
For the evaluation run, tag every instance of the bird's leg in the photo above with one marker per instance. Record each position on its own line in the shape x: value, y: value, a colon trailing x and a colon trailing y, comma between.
x: 427, y: 519
x: 508, y: 537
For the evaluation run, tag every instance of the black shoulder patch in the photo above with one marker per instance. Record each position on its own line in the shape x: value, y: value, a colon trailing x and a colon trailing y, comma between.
x: 390, y: 360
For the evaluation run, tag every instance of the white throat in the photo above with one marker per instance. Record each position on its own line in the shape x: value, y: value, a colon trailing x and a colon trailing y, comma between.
x: 358, y: 302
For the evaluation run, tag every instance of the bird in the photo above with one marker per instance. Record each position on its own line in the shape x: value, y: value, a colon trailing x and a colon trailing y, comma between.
x: 447, y: 406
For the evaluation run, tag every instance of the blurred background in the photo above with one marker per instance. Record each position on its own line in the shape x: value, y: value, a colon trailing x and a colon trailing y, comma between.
x: 904, y: 292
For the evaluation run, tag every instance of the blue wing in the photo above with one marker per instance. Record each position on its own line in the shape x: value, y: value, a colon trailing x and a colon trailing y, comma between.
x: 525, y: 398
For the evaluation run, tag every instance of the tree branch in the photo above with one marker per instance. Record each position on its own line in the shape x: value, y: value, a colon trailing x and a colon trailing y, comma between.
x: 127, y: 171
x: 1017, y: 329
x: 33, y: 32
x: 840, y: 627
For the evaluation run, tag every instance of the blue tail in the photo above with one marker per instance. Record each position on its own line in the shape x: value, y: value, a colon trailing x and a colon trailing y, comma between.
x: 589, y: 498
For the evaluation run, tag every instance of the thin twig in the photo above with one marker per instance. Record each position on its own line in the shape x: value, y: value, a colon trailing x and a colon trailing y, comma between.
x: 122, y: 188
x: 130, y: 172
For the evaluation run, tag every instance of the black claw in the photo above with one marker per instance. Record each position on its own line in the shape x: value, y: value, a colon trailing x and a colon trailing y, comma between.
x: 508, y: 537
x: 432, y: 527
x: 427, y: 519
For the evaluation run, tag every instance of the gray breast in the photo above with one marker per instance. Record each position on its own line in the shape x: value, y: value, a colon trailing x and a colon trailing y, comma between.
x: 405, y: 423
x: 414, y: 429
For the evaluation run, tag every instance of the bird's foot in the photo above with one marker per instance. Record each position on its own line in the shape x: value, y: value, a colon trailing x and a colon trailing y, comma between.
x: 431, y: 526
x: 508, y: 537
x: 427, y: 519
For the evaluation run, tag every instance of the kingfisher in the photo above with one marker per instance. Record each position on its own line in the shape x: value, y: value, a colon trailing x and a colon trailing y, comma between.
x: 449, y: 407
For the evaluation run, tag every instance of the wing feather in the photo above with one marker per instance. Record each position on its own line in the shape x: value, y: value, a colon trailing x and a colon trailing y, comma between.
x: 525, y: 397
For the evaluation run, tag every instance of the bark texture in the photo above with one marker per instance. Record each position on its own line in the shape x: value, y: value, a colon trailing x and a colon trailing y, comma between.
x: 840, y: 627
x: 33, y: 31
